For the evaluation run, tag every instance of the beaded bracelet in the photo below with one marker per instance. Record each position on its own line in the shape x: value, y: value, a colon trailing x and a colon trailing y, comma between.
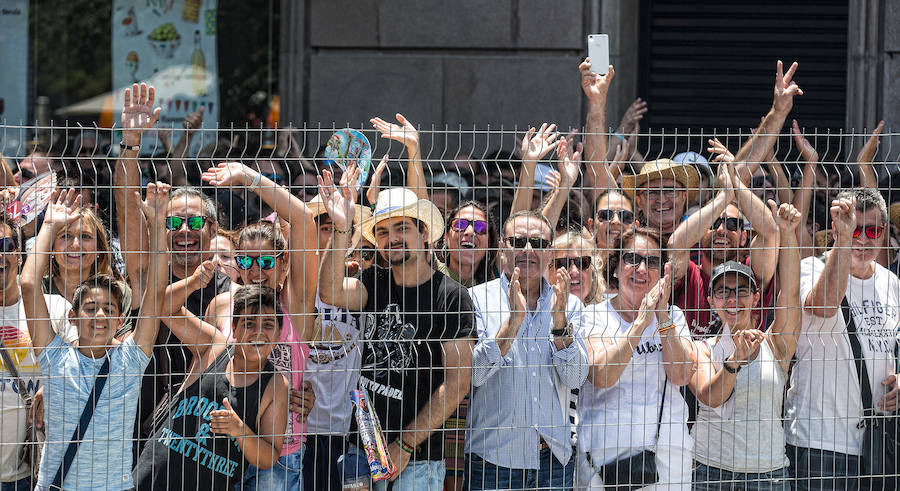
x: 403, y: 446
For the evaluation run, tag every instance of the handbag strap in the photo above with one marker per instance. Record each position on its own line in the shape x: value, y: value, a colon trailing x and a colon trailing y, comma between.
x: 10, y: 365
x: 861, y: 372
x: 86, y: 414
x: 661, y: 405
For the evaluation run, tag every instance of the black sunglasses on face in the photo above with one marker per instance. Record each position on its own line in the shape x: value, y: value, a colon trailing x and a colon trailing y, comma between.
x: 635, y: 259
x: 8, y: 244
x: 582, y: 263
x: 537, y: 243
x: 731, y: 223
x: 607, y: 215
x: 760, y: 181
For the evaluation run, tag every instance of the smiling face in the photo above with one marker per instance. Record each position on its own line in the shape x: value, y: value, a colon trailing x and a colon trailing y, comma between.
x: 663, y: 202
x: 75, y: 248
x: 865, y: 250
x: 720, y: 244
x: 466, y: 246
x: 635, y: 280
x: 532, y: 263
x: 256, y: 275
x: 256, y: 333
x: 188, y: 246
x: 608, y: 232
x: 399, y: 240
x: 98, y: 317
x: 581, y: 279
x: 733, y: 299
x: 9, y: 260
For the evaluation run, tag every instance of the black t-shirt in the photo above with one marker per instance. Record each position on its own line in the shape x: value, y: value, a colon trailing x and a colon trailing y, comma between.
x: 402, y: 357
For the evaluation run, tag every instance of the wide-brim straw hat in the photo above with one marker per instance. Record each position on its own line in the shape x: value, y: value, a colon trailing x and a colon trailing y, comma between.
x: 317, y: 207
x: 685, y: 174
x: 402, y: 202
x: 894, y: 214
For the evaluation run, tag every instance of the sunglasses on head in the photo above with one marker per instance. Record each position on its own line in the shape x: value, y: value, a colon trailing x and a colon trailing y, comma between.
x: 872, y: 231
x: 582, y: 263
x: 266, y: 261
x: 8, y: 244
x: 607, y: 215
x: 461, y: 224
x: 537, y: 243
x: 194, y: 223
x: 635, y: 259
x: 731, y: 223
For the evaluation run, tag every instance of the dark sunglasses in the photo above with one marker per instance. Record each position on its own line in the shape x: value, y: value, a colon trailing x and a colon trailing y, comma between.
x: 193, y: 223
x: 365, y: 253
x: 582, y: 263
x: 635, y: 259
x: 537, y: 243
x: 306, y: 193
x: 760, y: 181
x: 274, y: 177
x: 731, y: 223
x: 245, y: 262
x: 607, y: 215
x: 27, y: 175
x: 461, y: 224
x: 872, y: 231
x: 8, y: 244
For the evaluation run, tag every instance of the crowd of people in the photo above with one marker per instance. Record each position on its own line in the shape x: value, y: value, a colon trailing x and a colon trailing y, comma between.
x: 564, y: 316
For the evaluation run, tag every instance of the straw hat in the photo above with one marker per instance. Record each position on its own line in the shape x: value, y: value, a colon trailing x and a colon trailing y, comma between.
x: 317, y: 207
x: 823, y: 240
x: 894, y: 214
x: 402, y: 202
x: 685, y: 174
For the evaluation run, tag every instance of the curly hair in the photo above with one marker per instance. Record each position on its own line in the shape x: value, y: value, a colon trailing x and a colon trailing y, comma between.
x: 625, y: 243
x: 484, y: 271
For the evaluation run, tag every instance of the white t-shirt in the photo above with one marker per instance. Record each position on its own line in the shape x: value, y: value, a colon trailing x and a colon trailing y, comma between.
x: 823, y: 403
x: 620, y: 421
x: 333, y: 369
x: 16, y: 340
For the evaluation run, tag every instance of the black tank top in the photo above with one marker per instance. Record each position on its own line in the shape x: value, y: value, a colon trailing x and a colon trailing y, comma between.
x: 184, y: 453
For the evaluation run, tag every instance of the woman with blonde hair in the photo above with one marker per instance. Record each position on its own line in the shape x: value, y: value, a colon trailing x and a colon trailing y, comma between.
x: 579, y: 257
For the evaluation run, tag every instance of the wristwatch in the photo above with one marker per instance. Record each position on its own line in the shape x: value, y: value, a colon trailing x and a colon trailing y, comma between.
x: 562, y: 332
x: 730, y: 370
x: 123, y: 146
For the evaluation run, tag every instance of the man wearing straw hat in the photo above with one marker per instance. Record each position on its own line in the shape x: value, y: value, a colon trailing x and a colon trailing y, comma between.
x: 418, y: 323
x: 661, y: 192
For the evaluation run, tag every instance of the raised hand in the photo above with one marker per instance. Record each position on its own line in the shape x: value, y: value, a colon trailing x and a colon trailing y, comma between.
x: 785, y: 88
x: 375, y: 183
x: 536, y: 144
x: 569, y: 162
x: 807, y: 151
x: 338, y: 201
x: 194, y: 120
x: 633, y: 115
x: 405, y: 133
x: 786, y: 216
x: 745, y: 345
x: 204, y: 273
x: 843, y: 217
x: 594, y: 85
x: 721, y: 151
x: 350, y: 177
x: 156, y: 203
x: 560, y: 293
x: 226, y: 421
x: 665, y: 290
x: 724, y: 181
x: 517, y: 302
x: 229, y: 174
x: 64, y: 209
x: 138, y: 113
x: 867, y: 152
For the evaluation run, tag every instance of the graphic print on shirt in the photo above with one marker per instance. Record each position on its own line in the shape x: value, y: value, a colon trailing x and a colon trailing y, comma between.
x: 196, y: 448
x: 876, y: 323
x: 334, y: 330
x: 281, y: 358
x: 390, y: 338
x: 17, y: 344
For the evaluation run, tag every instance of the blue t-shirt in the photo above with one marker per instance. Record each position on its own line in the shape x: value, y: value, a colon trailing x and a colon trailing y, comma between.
x: 69, y: 379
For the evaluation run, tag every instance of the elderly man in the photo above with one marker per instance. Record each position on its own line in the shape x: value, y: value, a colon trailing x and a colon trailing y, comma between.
x: 527, y: 359
x: 661, y: 192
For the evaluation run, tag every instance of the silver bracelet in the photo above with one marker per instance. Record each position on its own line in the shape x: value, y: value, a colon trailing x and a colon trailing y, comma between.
x: 256, y: 180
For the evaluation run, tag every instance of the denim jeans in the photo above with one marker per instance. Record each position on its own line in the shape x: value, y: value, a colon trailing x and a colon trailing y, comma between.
x: 23, y: 484
x: 419, y: 475
x: 285, y: 475
x: 812, y: 468
x: 708, y: 478
x: 553, y: 475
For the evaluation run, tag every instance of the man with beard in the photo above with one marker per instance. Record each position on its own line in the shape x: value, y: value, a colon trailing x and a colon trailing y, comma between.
x: 418, y: 324
x: 719, y: 228
x: 191, y: 223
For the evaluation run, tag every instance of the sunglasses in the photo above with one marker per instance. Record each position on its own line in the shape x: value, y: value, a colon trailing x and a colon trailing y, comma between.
x: 461, y: 224
x: 193, y: 223
x: 635, y: 259
x: 306, y: 193
x: 26, y: 174
x: 537, y: 243
x: 607, y: 215
x: 872, y: 231
x: 724, y: 292
x: 274, y: 177
x: 582, y: 263
x: 8, y: 244
x: 761, y: 181
x: 365, y: 253
x: 245, y: 262
x: 731, y: 223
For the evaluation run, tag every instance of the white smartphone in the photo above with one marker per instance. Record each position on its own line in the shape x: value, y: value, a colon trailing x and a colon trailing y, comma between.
x: 598, y: 52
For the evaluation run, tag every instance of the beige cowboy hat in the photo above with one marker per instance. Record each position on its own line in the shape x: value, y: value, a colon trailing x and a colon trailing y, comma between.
x: 317, y: 207
x: 686, y: 174
x: 402, y: 202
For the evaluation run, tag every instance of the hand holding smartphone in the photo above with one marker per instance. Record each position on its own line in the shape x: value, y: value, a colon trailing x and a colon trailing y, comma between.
x: 598, y: 52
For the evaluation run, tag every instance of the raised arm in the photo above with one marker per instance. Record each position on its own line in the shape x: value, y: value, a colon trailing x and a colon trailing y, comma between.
x: 154, y: 210
x: 406, y: 134
x: 178, y: 171
x: 803, y: 196
x: 536, y: 144
x: 713, y: 388
x: 138, y: 115
x: 569, y: 167
x: 61, y: 212
x: 196, y: 334
x: 867, y: 177
x: 596, y: 87
x: 782, y: 335
x: 782, y: 182
x: 763, y: 249
x: 334, y: 288
x: 824, y: 300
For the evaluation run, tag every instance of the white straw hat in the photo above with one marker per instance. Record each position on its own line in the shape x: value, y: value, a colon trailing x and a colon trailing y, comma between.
x: 402, y: 202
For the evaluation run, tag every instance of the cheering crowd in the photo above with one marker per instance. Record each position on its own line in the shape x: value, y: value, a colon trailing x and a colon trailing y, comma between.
x: 587, y: 322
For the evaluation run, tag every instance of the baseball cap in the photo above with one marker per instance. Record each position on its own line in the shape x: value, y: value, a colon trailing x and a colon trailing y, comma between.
x: 732, y: 268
